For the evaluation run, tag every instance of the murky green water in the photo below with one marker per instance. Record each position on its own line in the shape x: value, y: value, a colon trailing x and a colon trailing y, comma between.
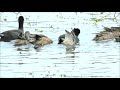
x: 89, y: 59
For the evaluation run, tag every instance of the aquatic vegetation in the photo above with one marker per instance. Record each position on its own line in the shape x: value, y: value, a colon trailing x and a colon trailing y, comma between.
x: 106, y: 17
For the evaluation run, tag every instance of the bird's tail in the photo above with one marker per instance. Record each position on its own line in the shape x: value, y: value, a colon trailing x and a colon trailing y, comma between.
x: 1, y: 35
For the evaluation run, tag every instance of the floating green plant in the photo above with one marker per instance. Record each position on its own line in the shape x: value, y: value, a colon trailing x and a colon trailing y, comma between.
x: 114, y: 18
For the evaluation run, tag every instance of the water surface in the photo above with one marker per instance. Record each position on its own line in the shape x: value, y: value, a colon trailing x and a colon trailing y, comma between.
x: 89, y: 59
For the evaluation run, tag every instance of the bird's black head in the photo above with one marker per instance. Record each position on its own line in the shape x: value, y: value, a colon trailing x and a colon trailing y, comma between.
x: 76, y: 31
x: 21, y: 19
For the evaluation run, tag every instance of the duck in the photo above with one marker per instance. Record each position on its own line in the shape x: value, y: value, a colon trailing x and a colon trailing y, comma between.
x: 117, y: 39
x: 70, y: 38
x: 108, y: 34
x: 9, y: 35
x: 62, y: 37
x: 111, y: 29
x: 40, y: 40
x: 24, y: 40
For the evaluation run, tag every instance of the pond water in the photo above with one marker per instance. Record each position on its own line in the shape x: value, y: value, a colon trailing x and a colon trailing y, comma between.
x: 90, y: 59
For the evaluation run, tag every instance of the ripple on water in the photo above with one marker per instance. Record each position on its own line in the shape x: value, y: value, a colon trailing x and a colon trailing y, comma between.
x: 89, y: 59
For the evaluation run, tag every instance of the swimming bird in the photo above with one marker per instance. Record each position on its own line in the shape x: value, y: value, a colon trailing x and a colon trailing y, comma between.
x: 107, y: 34
x: 70, y: 39
x: 24, y: 40
x: 62, y: 37
x: 13, y: 34
x: 117, y: 39
x: 40, y: 40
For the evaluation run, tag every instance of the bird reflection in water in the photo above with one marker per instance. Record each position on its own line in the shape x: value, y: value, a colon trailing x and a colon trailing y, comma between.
x: 70, y: 51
